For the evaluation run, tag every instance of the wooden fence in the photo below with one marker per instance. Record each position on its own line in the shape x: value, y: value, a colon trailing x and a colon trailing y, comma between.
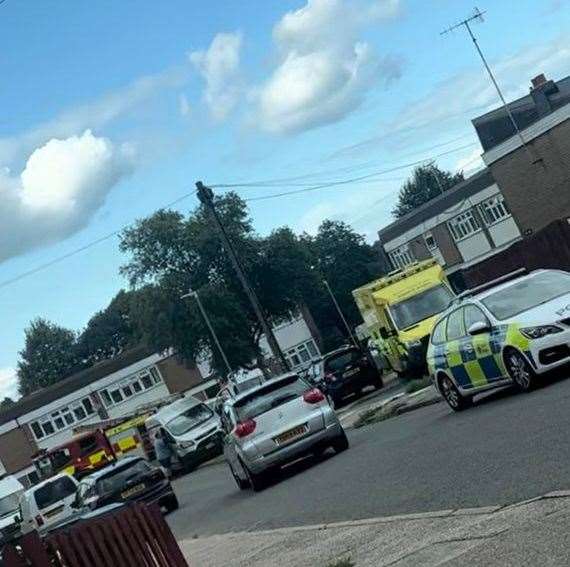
x: 137, y: 536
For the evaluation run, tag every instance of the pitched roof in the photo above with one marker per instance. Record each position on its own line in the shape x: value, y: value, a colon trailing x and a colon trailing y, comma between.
x: 72, y: 383
x: 453, y: 196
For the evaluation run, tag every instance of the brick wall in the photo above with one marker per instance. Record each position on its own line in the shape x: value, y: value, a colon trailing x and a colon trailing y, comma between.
x: 177, y: 375
x: 16, y: 449
x: 538, y: 193
x: 446, y: 244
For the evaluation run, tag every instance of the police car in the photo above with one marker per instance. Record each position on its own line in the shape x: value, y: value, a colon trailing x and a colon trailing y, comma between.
x: 507, y: 332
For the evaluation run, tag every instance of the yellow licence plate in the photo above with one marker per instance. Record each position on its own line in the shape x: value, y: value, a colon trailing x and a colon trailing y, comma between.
x: 291, y: 434
x: 132, y: 491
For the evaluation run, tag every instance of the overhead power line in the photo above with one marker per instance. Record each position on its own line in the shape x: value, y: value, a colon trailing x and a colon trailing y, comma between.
x: 83, y: 248
x: 353, y: 180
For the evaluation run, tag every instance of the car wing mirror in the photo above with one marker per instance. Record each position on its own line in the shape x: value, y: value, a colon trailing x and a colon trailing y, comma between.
x: 478, y: 328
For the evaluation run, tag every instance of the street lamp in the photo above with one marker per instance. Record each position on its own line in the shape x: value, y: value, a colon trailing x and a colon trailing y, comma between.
x: 195, y: 295
x: 341, y: 314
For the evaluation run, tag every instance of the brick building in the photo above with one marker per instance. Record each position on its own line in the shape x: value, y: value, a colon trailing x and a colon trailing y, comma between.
x: 524, y: 187
x: 111, y: 389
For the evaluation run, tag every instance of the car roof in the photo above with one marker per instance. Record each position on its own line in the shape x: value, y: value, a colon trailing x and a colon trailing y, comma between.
x: 9, y: 485
x: 237, y: 398
x: 339, y: 350
x: 123, y: 462
x: 170, y: 411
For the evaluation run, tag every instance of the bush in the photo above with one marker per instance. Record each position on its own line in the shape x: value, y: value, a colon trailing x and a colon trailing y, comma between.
x: 415, y: 385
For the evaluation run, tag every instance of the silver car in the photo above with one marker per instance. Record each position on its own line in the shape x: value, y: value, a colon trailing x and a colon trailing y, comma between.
x: 275, y: 423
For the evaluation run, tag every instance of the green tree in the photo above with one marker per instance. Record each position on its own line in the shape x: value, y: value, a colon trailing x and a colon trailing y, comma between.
x: 6, y: 403
x: 426, y: 183
x: 49, y: 355
x: 170, y: 254
x: 110, y: 331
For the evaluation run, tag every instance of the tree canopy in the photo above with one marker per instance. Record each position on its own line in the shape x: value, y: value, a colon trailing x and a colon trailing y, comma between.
x: 426, y: 183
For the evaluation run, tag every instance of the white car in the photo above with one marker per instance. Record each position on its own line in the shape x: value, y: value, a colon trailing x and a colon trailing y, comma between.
x: 275, y: 423
x: 11, y: 490
x: 508, y: 331
x: 48, y: 504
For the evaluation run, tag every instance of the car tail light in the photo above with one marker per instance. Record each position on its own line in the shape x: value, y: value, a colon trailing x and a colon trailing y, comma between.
x: 39, y: 521
x: 245, y: 428
x: 313, y: 396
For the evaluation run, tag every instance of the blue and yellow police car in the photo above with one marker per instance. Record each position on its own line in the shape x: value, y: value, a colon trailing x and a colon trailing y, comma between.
x: 508, y: 331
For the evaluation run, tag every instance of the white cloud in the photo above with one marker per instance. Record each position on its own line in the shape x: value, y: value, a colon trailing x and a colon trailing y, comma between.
x: 8, y: 384
x: 183, y: 105
x: 219, y: 66
x: 61, y: 186
x: 324, y: 71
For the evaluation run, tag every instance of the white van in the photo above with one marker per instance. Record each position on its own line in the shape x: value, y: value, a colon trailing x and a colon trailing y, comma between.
x: 48, y: 504
x: 11, y: 490
x: 193, y: 430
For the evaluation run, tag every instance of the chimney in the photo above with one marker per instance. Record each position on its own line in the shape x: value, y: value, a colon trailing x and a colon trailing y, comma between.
x: 538, y: 81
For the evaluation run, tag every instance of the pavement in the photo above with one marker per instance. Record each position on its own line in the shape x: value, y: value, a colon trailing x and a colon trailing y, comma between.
x: 530, y: 533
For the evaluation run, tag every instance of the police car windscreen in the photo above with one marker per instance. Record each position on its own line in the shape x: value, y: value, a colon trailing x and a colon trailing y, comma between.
x: 527, y: 293
x: 419, y: 307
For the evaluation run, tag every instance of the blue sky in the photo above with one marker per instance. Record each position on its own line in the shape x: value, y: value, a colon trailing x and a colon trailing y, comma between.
x: 111, y: 109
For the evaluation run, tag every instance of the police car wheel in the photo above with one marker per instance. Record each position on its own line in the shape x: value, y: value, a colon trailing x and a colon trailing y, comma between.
x: 520, y: 371
x: 451, y: 395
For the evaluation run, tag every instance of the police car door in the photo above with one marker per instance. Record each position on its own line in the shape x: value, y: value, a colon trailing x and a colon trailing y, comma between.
x: 458, y: 349
x: 487, y: 365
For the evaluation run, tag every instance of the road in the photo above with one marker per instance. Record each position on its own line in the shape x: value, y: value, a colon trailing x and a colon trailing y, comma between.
x: 505, y: 449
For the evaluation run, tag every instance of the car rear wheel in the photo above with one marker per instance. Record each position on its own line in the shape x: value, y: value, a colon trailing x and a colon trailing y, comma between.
x: 256, y: 481
x: 242, y: 484
x: 333, y: 402
x: 378, y: 382
x: 172, y: 503
x: 520, y: 371
x: 340, y: 444
x: 452, y: 396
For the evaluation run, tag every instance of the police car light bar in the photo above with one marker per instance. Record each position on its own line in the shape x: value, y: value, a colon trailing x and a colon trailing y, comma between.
x: 493, y: 283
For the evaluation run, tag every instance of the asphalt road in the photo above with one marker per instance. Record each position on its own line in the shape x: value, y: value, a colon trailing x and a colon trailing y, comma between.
x: 507, y: 448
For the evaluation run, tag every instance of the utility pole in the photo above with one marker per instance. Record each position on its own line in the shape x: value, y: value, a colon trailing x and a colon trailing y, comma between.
x: 205, y: 194
x: 478, y: 16
x: 195, y: 295
x: 339, y: 310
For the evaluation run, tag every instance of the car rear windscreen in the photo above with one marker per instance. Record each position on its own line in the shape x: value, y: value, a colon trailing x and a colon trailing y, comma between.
x: 116, y: 479
x: 339, y: 361
x: 54, y: 491
x: 272, y: 396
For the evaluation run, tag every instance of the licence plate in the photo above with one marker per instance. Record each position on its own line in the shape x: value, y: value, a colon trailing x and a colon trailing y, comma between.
x: 291, y: 434
x: 132, y: 491
x: 350, y: 372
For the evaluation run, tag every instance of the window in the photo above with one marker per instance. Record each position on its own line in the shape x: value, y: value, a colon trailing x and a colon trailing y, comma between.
x: 116, y: 396
x: 189, y: 419
x: 48, y: 428
x: 155, y: 375
x: 54, y: 491
x: 137, y: 387
x: 455, y: 325
x: 409, y: 312
x: 146, y: 381
x: 401, y: 256
x: 37, y: 430
x: 69, y: 419
x: 472, y: 314
x: 63, y: 418
x: 88, y: 406
x: 127, y: 391
x: 438, y: 334
x: 79, y: 413
x: 302, y: 353
x: 106, y: 398
x: 494, y: 210
x: 430, y: 241
x: 463, y: 225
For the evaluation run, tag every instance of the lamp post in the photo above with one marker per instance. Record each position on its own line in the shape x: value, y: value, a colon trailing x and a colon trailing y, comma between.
x: 195, y: 295
x: 341, y: 314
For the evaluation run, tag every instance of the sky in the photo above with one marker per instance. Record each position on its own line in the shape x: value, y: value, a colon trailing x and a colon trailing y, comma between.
x: 111, y: 110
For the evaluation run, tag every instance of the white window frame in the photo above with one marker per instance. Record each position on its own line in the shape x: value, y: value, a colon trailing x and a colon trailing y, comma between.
x: 302, y: 353
x: 401, y: 256
x: 145, y: 380
x: 494, y: 210
x: 65, y: 416
x: 429, y: 236
x: 463, y: 226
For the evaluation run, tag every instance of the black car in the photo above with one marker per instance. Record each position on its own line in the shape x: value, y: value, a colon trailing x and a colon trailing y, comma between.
x: 129, y: 479
x: 347, y: 371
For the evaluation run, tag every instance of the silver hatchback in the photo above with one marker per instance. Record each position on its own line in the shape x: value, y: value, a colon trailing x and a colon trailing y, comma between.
x: 275, y: 423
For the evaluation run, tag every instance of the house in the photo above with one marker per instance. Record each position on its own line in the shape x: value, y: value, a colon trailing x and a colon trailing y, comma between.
x: 462, y: 226
x: 111, y: 389
x: 533, y: 168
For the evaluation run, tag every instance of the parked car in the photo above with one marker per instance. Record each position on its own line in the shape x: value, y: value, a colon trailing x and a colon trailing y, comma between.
x: 48, y: 503
x: 128, y: 480
x: 347, y: 371
x: 275, y: 423
x: 508, y: 331
x: 192, y: 429
x: 11, y: 490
